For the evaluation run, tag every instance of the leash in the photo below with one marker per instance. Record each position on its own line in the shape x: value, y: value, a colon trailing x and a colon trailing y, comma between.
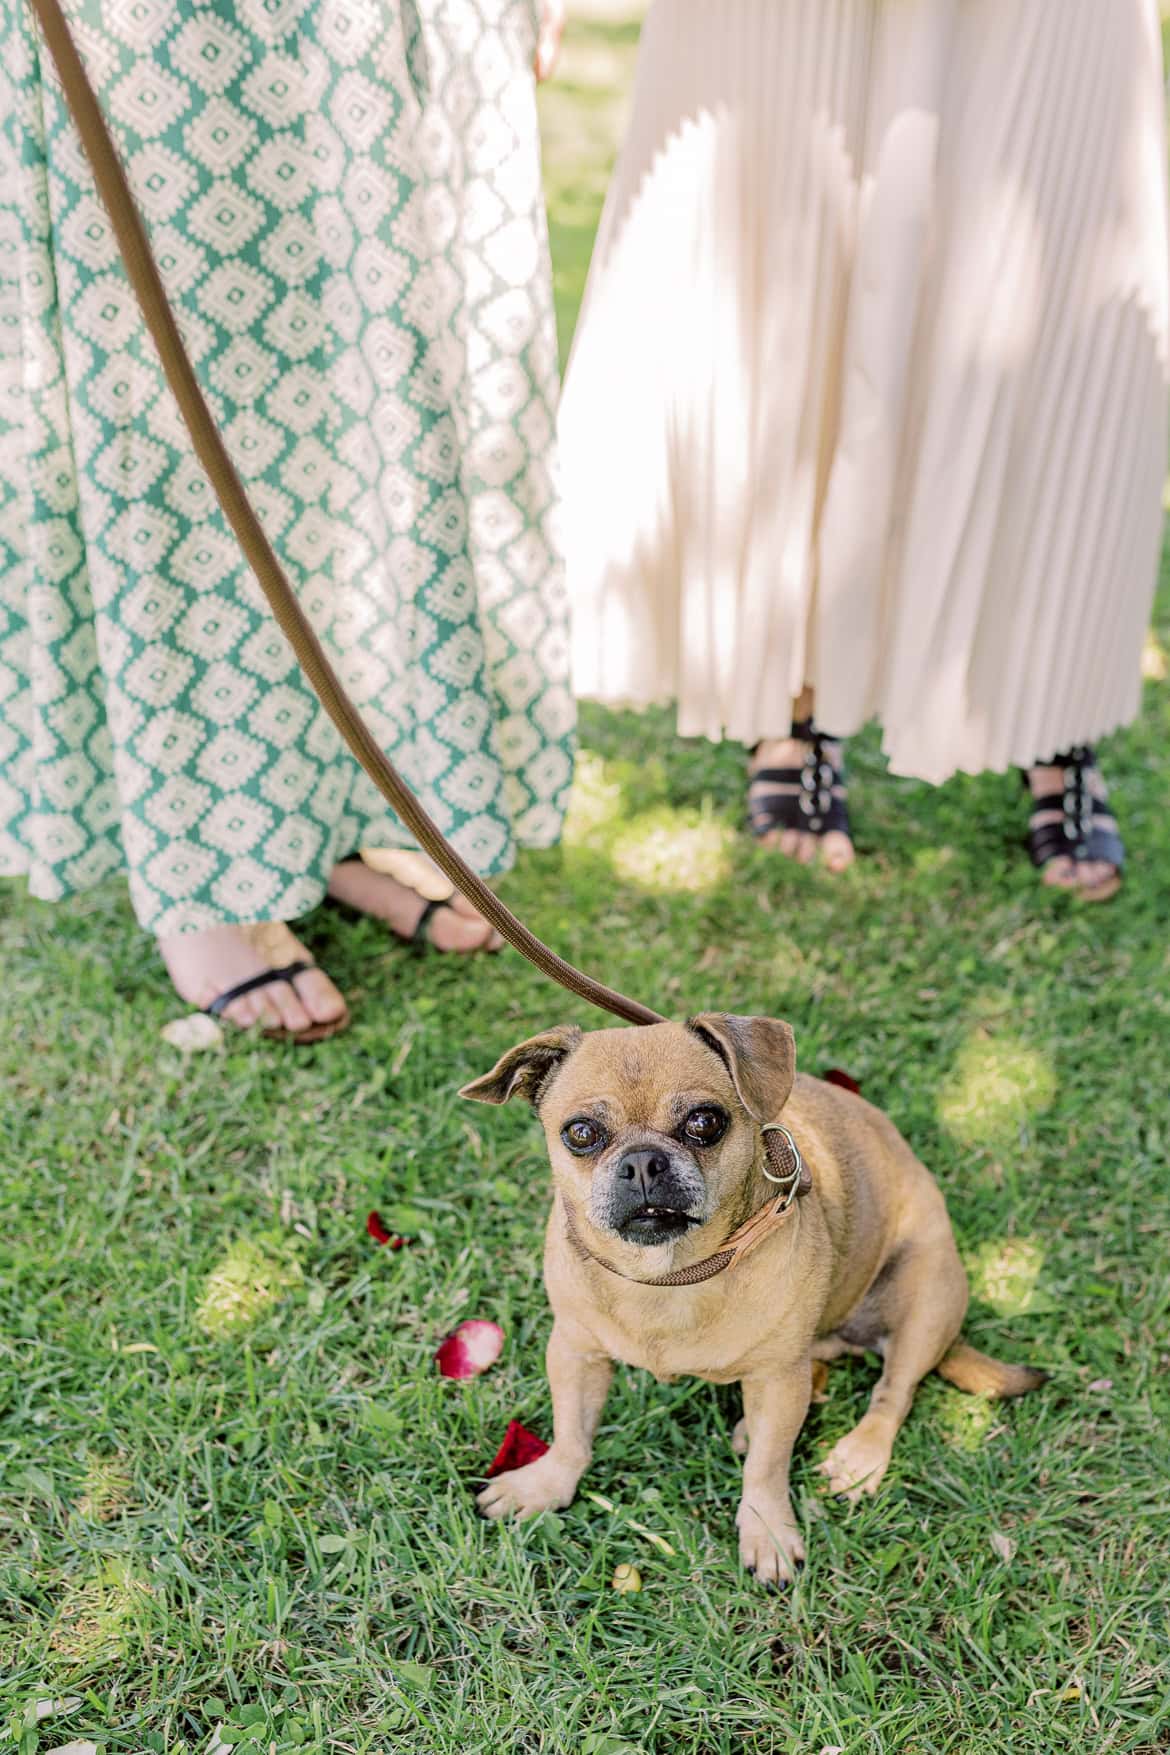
x: 790, y: 1174
x: 212, y: 454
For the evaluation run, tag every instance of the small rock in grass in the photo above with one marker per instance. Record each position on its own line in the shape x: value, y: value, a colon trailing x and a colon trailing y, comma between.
x: 194, y: 1033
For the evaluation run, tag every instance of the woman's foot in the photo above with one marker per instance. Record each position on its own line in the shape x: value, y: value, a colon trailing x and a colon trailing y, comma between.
x: 1073, y: 835
x: 205, y: 966
x: 796, y: 798
x: 454, y: 925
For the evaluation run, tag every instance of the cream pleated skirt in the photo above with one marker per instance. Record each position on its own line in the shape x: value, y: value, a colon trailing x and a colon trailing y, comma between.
x: 870, y: 388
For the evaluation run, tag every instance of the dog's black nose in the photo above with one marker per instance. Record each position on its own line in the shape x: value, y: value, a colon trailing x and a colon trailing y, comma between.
x: 643, y: 1169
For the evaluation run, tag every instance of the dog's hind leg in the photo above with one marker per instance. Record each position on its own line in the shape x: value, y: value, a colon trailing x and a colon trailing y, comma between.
x: 913, y: 1313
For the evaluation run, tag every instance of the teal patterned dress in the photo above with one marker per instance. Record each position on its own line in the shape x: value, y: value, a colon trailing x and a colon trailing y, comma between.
x: 344, y: 199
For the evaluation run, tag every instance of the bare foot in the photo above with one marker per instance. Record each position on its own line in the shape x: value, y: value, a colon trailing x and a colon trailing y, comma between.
x: 1096, y: 879
x: 454, y: 926
x: 205, y: 964
x: 834, y: 848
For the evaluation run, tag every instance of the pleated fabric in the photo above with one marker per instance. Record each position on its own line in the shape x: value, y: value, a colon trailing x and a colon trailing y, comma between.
x: 870, y: 387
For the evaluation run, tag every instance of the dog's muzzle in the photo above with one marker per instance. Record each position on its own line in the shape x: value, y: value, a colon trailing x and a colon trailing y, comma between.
x: 652, y: 1195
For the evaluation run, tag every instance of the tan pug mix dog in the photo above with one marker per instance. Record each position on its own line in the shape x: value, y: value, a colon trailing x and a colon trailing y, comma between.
x: 658, y: 1157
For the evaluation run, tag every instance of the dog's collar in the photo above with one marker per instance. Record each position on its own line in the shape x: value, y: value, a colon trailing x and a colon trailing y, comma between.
x: 784, y: 1166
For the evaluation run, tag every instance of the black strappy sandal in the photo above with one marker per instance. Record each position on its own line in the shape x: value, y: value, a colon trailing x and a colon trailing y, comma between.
x: 289, y: 973
x: 419, y: 936
x: 813, y: 797
x: 1081, y: 825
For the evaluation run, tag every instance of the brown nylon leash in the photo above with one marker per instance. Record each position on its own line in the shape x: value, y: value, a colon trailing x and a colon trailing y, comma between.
x: 212, y: 454
x: 789, y: 1172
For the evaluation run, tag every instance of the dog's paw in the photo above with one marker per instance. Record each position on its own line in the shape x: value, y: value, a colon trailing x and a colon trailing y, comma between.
x: 770, y: 1544
x: 857, y: 1462
x: 543, y: 1485
x: 739, y: 1438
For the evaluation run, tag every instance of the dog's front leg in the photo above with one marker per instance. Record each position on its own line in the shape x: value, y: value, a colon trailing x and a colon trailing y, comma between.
x: 774, y: 1406
x: 579, y: 1378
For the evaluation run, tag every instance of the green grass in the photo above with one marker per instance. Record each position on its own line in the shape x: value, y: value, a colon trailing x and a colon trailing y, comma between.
x: 232, y: 1486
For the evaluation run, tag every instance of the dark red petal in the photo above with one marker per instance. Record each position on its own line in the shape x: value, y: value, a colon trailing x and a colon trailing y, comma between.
x: 376, y: 1229
x: 835, y: 1076
x: 520, y: 1446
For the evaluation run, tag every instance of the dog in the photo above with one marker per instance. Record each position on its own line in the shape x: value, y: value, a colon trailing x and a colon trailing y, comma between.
x: 719, y: 1215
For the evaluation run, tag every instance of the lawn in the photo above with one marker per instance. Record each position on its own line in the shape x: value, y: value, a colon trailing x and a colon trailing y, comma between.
x: 234, y: 1491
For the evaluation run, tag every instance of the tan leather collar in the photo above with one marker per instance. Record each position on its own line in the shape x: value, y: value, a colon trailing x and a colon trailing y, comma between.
x: 785, y: 1167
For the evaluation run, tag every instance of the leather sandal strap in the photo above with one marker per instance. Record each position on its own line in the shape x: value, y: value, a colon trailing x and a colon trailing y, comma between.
x: 288, y: 973
x: 1082, y: 826
x: 420, y: 936
x: 1049, y: 841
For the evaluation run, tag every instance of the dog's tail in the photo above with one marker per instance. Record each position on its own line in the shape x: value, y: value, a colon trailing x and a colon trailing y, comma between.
x: 980, y: 1375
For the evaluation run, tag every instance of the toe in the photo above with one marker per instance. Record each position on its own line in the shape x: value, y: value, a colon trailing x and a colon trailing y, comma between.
x: 285, y: 1003
x: 245, y: 1013
x: 321, y: 1000
x: 1097, y: 878
x: 460, y: 929
x: 1061, y: 874
x: 836, y: 851
x: 806, y: 849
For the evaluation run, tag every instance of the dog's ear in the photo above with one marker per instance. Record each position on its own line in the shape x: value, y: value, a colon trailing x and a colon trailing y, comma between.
x: 525, y: 1069
x: 760, y: 1055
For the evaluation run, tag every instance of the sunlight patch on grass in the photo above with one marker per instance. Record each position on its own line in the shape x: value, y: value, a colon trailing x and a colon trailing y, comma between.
x: 928, y: 860
x: 1005, y: 1273
x: 997, y: 1083
x: 597, y: 802
x: 247, y: 1282
x: 95, y: 1615
x: 667, y: 851
x: 105, y: 1490
x: 966, y: 1420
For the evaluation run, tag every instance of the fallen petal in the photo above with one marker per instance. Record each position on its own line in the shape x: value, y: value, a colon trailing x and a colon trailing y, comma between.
x: 1101, y: 1386
x: 1003, y: 1545
x: 81, y: 1747
x: 520, y: 1446
x: 471, y: 1349
x: 46, y: 1708
x: 380, y: 1234
x: 626, y: 1579
x: 193, y: 1033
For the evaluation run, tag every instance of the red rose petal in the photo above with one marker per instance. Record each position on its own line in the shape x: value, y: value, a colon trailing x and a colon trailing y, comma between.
x: 835, y: 1076
x: 471, y: 1349
x: 380, y: 1234
x: 520, y: 1446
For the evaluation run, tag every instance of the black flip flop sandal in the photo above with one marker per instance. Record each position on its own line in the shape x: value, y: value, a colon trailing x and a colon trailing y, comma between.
x: 289, y: 973
x: 419, y: 936
x: 813, y: 797
x: 1082, y: 827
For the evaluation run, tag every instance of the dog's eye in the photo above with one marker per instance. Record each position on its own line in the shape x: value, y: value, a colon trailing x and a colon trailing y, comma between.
x: 582, y: 1136
x: 705, y: 1127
